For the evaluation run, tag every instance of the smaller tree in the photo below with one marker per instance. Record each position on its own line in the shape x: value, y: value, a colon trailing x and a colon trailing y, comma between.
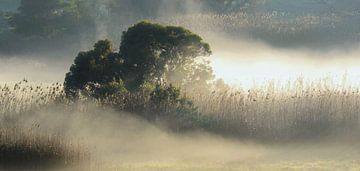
x: 93, y: 69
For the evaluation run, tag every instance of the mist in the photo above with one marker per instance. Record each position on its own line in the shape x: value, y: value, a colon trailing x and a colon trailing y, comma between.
x: 253, y: 43
x: 247, y: 63
x: 242, y: 41
x: 124, y: 141
x: 111, y: 136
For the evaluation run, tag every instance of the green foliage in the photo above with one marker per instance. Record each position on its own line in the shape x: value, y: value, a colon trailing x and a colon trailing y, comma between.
x: 147, y: 87
x: 149, y: 54
x: 97, y: 67
x: 192, y: 76
x: 164, y: 99
x: 150, y: 57
x: 151, y: 51
x: 167, y: 103
x: 48, y: 18
x: 163, y: 94
x: 114, y: 88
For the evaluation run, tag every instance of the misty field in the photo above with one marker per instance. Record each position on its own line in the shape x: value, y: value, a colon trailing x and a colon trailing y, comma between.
x: 293, y: 127
x: 179, y: 85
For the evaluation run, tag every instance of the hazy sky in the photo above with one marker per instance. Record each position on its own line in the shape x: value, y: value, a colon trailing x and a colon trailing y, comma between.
x: 266, y: 39
x: 282, y: 23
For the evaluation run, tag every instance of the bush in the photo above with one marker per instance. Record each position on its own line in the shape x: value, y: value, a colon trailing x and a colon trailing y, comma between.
x: 114, y: 88
x: 167, y: 103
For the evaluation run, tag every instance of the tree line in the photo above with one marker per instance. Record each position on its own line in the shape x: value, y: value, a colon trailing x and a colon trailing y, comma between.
x: 51, y: 18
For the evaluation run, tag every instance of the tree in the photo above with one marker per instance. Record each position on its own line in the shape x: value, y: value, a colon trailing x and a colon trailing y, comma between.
x: 93, y: 69
x: 47, y: 18
x: 192, y: 76
x: 152, y: 52
x: 149, y: 54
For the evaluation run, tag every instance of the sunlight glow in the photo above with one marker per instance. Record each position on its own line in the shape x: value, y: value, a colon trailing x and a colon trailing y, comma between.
x: 238, y: 70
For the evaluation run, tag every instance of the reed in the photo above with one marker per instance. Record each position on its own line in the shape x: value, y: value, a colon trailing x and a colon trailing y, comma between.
x: 298, y: 109
x: 29, y: 149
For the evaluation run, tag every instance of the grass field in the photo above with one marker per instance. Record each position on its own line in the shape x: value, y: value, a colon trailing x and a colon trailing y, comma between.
x: 301, y: 127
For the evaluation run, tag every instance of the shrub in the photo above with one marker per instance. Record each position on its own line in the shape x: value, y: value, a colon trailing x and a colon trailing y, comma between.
x: 167, y: 103
x: 114, y: 88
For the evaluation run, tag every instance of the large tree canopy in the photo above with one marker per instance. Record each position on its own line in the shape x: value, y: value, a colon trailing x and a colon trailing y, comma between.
x: 152, y: 52
x: 149, y: 53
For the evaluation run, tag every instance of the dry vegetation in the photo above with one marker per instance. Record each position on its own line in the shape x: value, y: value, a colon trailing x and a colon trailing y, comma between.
x: 32, y: 147
x: 22, y: 97
x: 20, y: 149
x: 297, y: 111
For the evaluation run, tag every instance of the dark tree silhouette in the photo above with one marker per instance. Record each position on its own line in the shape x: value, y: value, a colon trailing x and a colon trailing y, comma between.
x: 149, y: 53
x: 96, y: 67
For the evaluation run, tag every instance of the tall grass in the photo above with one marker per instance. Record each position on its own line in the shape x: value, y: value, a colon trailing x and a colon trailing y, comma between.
x: 20, y: 149
x: 22, y: 97
x: 33, y: 148
x: 298, y: 109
